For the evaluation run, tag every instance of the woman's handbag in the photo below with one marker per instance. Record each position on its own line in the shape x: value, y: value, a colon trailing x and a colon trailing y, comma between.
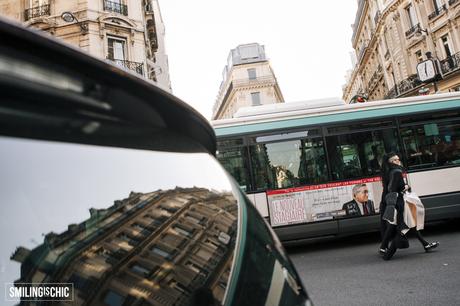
x: 401, y: 241
x: 391, y: 198
x: 389, y: 213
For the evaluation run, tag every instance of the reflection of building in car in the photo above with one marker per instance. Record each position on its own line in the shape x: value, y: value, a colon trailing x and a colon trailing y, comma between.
x: 158, y: 248
x: 360, y: 205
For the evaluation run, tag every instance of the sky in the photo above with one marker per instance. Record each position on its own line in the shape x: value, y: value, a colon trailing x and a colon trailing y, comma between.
x: 308, y: 44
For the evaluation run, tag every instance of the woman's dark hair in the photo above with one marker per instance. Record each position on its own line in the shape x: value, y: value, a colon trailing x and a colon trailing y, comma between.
x: 386, y: 167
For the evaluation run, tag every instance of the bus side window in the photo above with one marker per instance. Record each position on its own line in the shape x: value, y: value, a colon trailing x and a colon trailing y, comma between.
x: 235, y: 161
x: 313, y: 168
x: 263, y: 172
x: 432, y: 144
x: 286, y: 164
x: 359, y: 154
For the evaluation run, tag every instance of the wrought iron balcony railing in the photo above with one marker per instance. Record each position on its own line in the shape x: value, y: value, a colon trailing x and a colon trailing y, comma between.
x: 37, y: 11
x: 115, y: 7
x: 450, y: 63
x: 437, y: 12
x: 403, y: 87
x: 412, y: 30
x: 408, y: 84
x: 392, y: 93
x: 134, y: 66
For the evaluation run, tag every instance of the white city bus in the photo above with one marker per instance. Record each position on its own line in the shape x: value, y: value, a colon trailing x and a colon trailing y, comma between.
x: 304, y: 167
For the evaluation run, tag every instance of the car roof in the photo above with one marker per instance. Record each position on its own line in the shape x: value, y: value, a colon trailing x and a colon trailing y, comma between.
x: 125, y: 95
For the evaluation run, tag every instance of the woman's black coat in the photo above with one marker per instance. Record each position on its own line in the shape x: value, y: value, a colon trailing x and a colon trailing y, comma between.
x: 393, y: 182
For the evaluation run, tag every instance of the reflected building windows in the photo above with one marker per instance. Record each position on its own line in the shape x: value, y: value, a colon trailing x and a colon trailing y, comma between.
x: 161, y: 252
x: 138, y: 269
x: 133, y: 249
x: 113, y: 299
x: 288, y: 163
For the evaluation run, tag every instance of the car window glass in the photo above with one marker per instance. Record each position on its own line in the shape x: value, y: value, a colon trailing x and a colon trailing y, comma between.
x: 106, y: 218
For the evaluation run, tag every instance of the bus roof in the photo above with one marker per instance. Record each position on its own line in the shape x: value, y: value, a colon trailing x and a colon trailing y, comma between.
x: 334, y: 114
x: 278, y: 108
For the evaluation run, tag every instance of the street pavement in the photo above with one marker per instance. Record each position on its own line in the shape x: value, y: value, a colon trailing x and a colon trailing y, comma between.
x: 350, y: 271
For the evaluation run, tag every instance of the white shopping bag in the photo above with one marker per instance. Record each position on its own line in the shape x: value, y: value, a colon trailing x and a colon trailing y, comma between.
x: 414, y: 211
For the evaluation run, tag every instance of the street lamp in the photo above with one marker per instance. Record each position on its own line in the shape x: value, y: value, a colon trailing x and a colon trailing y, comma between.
x: 70, y: 17
x: 420, y: 30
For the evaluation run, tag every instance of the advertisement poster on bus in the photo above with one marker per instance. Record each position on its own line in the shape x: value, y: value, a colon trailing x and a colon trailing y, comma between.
x: 325, y: 201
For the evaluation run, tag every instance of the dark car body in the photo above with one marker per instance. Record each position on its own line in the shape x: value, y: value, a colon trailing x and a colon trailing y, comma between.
x: 109, y: 187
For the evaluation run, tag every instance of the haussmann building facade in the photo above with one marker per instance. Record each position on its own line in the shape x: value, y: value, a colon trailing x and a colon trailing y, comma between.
x: 127, y: 32
x: 248, y: 80
x: 391, y: 37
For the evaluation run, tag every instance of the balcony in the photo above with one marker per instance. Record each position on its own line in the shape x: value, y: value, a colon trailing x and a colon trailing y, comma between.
x: 437, y: 12
x: 134, y: 66
x: 413, y: 30
x: 393, y: 93
x: 268, y: 79
x: 38, y: 11
x: 450, y: 64
x: 116, y: 7
x: 403, y: 87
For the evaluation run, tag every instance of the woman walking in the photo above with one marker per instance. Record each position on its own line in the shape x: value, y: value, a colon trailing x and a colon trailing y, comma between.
x: 393, y: 227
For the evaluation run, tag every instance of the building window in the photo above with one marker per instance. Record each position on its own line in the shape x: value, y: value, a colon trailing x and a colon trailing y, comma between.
x: 130, y: 240
x: 252, y: 73
x: 255, y: 97
x: 178, y: 286
x: 36, y: 8
x: 116, y: 6
x: 411, y: 16
x: 194, y: 267
x: 161, y: 252
x: 140, y: 270
x: 445, y: 43
x: 113, y: 299
x: 116, y: 49
x: 418, y: 56
x: 437, y: 4
x: 182, y: 231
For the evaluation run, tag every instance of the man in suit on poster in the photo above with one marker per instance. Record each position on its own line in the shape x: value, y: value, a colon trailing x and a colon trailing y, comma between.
x: 360, y: 205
